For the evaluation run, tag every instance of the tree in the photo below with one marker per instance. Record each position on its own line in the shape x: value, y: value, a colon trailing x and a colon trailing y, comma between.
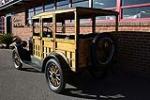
x: 6, y: 39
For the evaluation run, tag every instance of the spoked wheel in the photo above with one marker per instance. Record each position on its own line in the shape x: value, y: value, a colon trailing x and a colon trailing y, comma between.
x: 16, y: 60
x: 55, y: 76
x: 103, y: 49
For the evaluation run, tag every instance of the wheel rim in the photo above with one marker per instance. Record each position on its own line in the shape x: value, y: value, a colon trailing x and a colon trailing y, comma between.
x: 105, y: 50
x: 54, y: 76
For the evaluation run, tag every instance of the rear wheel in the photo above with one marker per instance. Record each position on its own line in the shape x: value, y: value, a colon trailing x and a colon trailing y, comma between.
x: 16, y: 60
x: 55, y: 76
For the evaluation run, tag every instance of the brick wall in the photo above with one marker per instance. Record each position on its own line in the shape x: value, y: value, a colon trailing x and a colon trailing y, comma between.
x: 19, y: 26
x: 133, y: 52
x: 133, y: 47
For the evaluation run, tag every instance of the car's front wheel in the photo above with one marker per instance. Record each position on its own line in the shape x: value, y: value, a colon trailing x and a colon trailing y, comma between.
x: 55, y: 76
x: 16, y: 60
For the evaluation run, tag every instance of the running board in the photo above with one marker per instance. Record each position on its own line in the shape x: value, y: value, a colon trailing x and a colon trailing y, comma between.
x: 35, y: 63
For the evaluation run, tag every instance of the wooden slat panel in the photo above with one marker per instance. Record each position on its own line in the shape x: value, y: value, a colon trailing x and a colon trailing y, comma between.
x: 68, y: 55
x: 84, y: 52
x: 66, y: 46
x: 73, y: 67
x: 46, y: 51
x: 37, y: 47
x: 71, y: 41
x: 37, y: 42
x: 48, y: 44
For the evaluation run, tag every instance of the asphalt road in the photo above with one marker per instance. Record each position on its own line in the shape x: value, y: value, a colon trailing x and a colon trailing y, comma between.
x: 30, y: 84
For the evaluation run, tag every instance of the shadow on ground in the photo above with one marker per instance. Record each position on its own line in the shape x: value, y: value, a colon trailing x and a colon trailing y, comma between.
x: 31, y: 70
x: 118, y: 86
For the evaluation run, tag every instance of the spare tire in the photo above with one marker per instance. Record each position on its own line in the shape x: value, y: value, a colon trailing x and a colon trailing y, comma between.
x: 102, y: 53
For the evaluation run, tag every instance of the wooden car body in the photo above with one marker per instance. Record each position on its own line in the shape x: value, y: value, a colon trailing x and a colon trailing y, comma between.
x: 74, y: 46
x: 59, y: 46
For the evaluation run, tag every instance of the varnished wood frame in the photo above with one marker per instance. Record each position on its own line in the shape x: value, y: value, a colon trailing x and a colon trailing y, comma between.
x: 77, y: 31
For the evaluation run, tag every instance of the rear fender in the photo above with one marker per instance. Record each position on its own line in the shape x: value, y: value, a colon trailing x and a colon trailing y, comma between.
x: 54, y: 55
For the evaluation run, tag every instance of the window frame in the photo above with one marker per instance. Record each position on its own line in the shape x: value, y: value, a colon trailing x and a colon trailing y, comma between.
x: 38, y: 9
x: 50, y: 7
x: 106, y: 7
x: 78, y: 1
x: 133, y: 3
x: 133, y: 6
x: 60, y: 6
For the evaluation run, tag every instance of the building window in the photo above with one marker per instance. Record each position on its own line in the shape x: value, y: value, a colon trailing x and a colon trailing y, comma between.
x: 134, y: 2
x: 30, y: 14
x: 104, y: 3
x: 38, y: 10
x: 80, y: 3
x: 133, y: 9
x: 62, y: 4
x: 133, y: 13
x: 1, y: 25
x: 49, y: 7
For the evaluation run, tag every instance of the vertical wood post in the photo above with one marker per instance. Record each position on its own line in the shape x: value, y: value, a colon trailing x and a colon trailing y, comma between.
x: 63, y: 26
x: 32, y: 27
x: 117, y: 23
x: 54, y: 31
x: 93, y: 24
x: 77, y: 24
x: 41, y: 24
x: 77, y: 31
x: 41, y: 35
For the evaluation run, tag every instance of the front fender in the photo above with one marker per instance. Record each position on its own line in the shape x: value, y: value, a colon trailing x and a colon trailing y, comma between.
x: 15, y: 49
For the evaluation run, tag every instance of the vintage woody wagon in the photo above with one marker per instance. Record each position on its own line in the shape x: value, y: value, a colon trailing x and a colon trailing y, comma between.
x: 57, y: 51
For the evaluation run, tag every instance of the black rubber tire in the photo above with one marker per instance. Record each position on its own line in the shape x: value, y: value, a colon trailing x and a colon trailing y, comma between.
x: 100, y: 68
x: 61, y: 66
x: 16, y: 60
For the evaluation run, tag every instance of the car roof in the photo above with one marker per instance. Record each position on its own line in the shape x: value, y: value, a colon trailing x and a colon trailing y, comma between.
x: 82, y: 12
